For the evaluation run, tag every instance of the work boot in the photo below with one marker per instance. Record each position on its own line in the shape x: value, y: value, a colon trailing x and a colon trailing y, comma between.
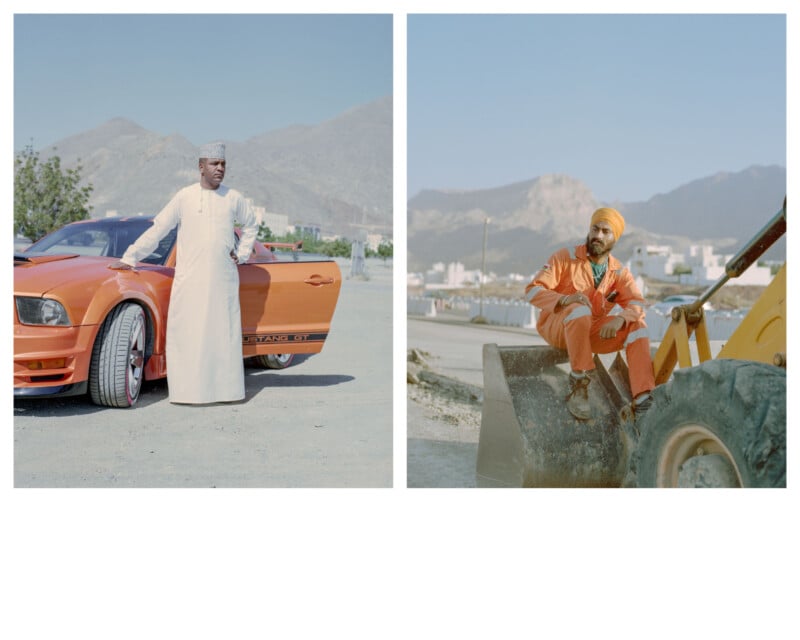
x: 578, y: 398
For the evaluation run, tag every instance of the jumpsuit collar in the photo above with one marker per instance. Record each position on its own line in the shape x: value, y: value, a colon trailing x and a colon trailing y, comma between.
x: 612, y: 265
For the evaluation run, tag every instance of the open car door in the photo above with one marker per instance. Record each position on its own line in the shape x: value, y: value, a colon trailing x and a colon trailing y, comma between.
x: 287, y: 306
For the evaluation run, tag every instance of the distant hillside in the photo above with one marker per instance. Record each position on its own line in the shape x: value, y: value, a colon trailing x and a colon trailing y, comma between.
x: 335, y: 174
x: 713, y: 206
x: 530, y: 219
x: 526, y: 218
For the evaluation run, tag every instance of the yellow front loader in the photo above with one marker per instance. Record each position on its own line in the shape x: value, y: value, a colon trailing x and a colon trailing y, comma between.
x: 718, y: 423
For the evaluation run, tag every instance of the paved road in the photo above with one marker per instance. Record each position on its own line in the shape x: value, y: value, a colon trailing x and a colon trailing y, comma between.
x: 456, y: 346
x: 326, y: 422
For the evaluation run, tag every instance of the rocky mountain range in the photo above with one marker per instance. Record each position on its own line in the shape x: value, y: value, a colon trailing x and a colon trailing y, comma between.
x: 531, y: 219
x: 336, y: 174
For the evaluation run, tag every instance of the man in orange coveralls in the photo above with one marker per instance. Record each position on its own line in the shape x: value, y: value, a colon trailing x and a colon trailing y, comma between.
x: 575, y: 291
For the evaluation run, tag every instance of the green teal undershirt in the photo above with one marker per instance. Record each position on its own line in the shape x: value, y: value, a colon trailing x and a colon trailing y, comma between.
x: 598, y: 271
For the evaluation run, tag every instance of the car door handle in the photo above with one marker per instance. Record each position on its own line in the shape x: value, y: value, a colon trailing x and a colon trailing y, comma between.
x: 318, y: 281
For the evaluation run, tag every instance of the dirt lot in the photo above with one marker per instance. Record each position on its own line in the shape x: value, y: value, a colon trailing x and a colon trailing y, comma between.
x: 444, y: 395
x: 444, y: 422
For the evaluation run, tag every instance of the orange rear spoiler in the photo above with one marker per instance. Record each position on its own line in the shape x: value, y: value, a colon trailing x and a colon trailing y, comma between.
x: 294, y: 246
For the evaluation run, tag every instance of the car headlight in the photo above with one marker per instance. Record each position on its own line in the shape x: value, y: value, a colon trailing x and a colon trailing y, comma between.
x: 41, y: 311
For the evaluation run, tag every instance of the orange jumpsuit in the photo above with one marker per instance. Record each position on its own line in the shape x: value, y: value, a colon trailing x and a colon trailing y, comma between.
x: 576, y: 328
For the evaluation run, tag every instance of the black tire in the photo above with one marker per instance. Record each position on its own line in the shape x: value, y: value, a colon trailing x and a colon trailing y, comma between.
x: 274, y: 360
x: 727, y: 418
x: 117, y: 368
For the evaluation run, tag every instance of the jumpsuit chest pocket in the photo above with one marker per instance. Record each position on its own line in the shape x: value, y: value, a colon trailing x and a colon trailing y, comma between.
x: 582, y: 282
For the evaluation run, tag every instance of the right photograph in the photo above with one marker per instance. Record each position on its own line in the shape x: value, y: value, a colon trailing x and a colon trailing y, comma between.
x: 596, y: 215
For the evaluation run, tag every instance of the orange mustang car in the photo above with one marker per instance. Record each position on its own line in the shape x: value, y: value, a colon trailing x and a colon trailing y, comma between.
x: 79, y: 326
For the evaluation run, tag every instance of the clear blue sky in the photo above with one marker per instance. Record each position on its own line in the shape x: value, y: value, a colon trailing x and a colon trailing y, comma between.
x: 632, y: 105
x: 203, y: 76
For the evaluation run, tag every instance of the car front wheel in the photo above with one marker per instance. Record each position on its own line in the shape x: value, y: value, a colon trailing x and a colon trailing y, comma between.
x: 117, y: 368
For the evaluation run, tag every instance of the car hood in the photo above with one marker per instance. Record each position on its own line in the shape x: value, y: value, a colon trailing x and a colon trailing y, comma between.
x: 37, y: 274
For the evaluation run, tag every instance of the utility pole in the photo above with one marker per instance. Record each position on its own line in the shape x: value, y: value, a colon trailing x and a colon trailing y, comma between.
x: 479, y: 318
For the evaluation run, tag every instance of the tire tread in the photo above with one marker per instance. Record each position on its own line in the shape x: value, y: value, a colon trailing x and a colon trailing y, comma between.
x: 107, y: 378
x: 742, y: 402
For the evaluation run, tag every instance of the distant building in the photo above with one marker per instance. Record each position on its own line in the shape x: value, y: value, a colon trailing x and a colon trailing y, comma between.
x: 451, y: 276
x: 278, y: 223
x: 374, y: 241
x: 415, y: 280
x: 514, y: 278
x: 698, y: 266
x: 312, y: 230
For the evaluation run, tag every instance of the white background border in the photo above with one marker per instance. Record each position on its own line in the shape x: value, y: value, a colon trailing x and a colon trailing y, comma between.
x: 400, y: 563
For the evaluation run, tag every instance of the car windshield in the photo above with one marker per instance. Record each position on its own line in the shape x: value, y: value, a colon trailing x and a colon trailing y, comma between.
x: 102, y: 238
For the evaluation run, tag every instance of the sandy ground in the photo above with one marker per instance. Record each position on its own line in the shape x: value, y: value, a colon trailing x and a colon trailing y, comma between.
x: 324, y: 422
x: 444, y: 409
x: 442, y: 440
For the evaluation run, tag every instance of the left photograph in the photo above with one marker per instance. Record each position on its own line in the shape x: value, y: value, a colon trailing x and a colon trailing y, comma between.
x: 203, y: 250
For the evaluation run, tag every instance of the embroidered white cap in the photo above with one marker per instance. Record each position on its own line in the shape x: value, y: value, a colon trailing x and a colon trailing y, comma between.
x: 214, y: 150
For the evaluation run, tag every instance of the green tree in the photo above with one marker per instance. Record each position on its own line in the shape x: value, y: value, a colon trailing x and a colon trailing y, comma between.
x: 337, y: 248
x: 45, y: 197
x: 310, y: 244
x: 385, y: 249
x: 265, y: 234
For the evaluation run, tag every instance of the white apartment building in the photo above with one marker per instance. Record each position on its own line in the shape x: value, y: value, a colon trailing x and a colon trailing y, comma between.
x: 659, y: 262
x: 451, y: 276
x: 278, y: 223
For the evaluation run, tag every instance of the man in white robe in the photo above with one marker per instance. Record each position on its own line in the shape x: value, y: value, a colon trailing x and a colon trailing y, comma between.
x: 204, y: 328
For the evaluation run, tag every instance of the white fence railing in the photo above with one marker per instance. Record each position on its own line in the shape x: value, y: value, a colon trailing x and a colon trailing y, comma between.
x: 419, y: 306
x: 508, y: 313
x: 720, y: 324
x: 518, y: 313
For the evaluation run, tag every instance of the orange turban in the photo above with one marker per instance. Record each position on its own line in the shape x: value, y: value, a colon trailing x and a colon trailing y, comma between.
x: 612, y: 217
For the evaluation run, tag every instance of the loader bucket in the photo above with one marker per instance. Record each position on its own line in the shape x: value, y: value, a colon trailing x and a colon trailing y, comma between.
x: 528, y: 438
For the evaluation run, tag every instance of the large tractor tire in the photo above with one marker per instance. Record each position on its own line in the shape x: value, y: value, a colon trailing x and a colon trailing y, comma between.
x: 720, y: 424
x: 117, y: 368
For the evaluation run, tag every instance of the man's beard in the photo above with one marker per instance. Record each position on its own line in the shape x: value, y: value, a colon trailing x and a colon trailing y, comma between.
x: 598, y: 250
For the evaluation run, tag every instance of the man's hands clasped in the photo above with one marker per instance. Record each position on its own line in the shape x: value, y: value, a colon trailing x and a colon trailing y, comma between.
x: 609, y: 329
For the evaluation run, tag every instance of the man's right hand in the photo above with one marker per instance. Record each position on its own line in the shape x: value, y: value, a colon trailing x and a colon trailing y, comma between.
x: 122, y: 266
